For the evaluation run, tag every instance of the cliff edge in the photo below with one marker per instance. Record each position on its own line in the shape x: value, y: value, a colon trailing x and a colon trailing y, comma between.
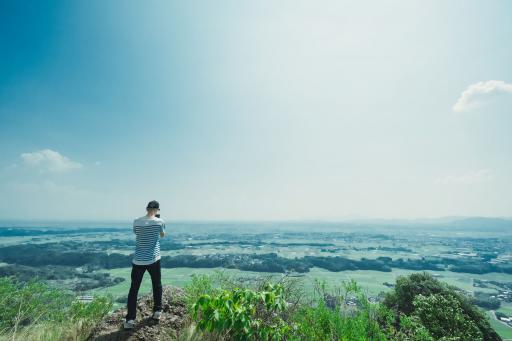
x: 173, y: 319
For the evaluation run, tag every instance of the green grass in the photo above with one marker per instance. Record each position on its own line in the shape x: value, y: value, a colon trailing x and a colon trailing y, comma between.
x: 503, y: 331
x: 506, y: 308
x: 177, y: 277
x: 370, y: 281
x: 36, y: 311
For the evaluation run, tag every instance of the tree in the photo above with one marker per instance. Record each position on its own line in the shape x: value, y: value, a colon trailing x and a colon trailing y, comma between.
x: 443, y: 316
x: 423, y: 297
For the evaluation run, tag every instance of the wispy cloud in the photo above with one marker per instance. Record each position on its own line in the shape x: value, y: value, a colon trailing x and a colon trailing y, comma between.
x: 480, y: 92
x: 48, y: 160
x: 471, y: 177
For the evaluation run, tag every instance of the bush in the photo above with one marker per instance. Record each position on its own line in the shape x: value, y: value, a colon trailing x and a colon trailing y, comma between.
x: 438, y: 307
x: 410, y: 329
x: 244, y: 314
x: 419, y: 309
x: 198, y: 286
x: 331, y: 316
x: 280, y: 311
x: 38, y: 311
x: 33, y: 302
x: 443, y: 316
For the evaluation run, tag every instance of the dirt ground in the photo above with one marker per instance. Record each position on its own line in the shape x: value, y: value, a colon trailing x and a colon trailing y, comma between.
x: 173, y: 319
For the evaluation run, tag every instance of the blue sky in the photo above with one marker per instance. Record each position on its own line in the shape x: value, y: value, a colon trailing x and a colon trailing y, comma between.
x: 255, y: 110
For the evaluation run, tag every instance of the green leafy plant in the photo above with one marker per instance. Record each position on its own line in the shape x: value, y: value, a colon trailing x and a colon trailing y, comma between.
x: 198, y: 286
x: 244, y: 313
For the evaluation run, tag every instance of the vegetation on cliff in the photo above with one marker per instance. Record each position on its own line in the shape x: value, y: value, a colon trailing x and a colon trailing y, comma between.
x: 420, y: 308
x: 35, y: 311
x: 219, y: 307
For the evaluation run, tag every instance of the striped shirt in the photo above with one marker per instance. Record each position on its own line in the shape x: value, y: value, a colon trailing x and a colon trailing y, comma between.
x: 147, y: 246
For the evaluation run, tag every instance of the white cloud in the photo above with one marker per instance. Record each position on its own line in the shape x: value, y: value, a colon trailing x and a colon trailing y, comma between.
x: 471, y: 177
x: 480, y: 92
x: 48, y: 160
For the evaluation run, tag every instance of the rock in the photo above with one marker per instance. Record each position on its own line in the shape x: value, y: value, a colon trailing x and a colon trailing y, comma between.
x: 174, y: 318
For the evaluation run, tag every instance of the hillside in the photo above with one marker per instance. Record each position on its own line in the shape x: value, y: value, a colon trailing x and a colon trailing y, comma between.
x: 173, y: 319
x: 418, y: 308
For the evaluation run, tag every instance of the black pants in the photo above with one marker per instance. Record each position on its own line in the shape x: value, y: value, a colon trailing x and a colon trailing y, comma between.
x: 156, y: 281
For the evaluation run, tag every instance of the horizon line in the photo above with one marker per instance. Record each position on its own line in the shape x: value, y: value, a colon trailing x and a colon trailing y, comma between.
x: 228, y: 220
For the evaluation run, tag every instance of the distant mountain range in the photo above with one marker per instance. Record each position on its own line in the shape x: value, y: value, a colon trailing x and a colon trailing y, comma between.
x: 491, y: 224
x: 458, y: 223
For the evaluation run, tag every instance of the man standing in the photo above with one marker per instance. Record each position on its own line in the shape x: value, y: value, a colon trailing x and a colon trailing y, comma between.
x: 148, y: 230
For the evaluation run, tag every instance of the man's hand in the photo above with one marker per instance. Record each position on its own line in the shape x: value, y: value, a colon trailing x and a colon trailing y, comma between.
x: 162, y: 234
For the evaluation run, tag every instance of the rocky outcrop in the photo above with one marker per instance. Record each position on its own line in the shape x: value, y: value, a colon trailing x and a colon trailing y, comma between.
x: 174, y: 318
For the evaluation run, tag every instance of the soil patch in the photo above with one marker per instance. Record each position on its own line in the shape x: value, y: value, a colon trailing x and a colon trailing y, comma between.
x: 174, y: 318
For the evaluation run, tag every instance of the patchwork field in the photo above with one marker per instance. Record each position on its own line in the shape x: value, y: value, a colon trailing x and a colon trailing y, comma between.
x: 97, y: 260
x: 371, y: 281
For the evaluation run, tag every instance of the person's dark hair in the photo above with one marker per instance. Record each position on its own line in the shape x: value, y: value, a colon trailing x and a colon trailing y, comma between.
x: 153, y: 204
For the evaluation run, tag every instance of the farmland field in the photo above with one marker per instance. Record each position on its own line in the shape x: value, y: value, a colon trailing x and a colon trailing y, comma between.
x: 370, y: 281
x: 97, y: 259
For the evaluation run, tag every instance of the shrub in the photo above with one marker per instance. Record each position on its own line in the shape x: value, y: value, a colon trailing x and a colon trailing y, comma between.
x: 332, y: 315
x: 198, y: 286
x: 438, y: 307
x: 244, y: 314
x: 25, y: 304
x: 34, y: 310
x: 410, y: 329
x: 443, y: 316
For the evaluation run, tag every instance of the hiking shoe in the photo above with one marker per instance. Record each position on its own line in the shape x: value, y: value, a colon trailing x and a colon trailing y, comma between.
x: 157, y: 315
x: 129, y: 324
